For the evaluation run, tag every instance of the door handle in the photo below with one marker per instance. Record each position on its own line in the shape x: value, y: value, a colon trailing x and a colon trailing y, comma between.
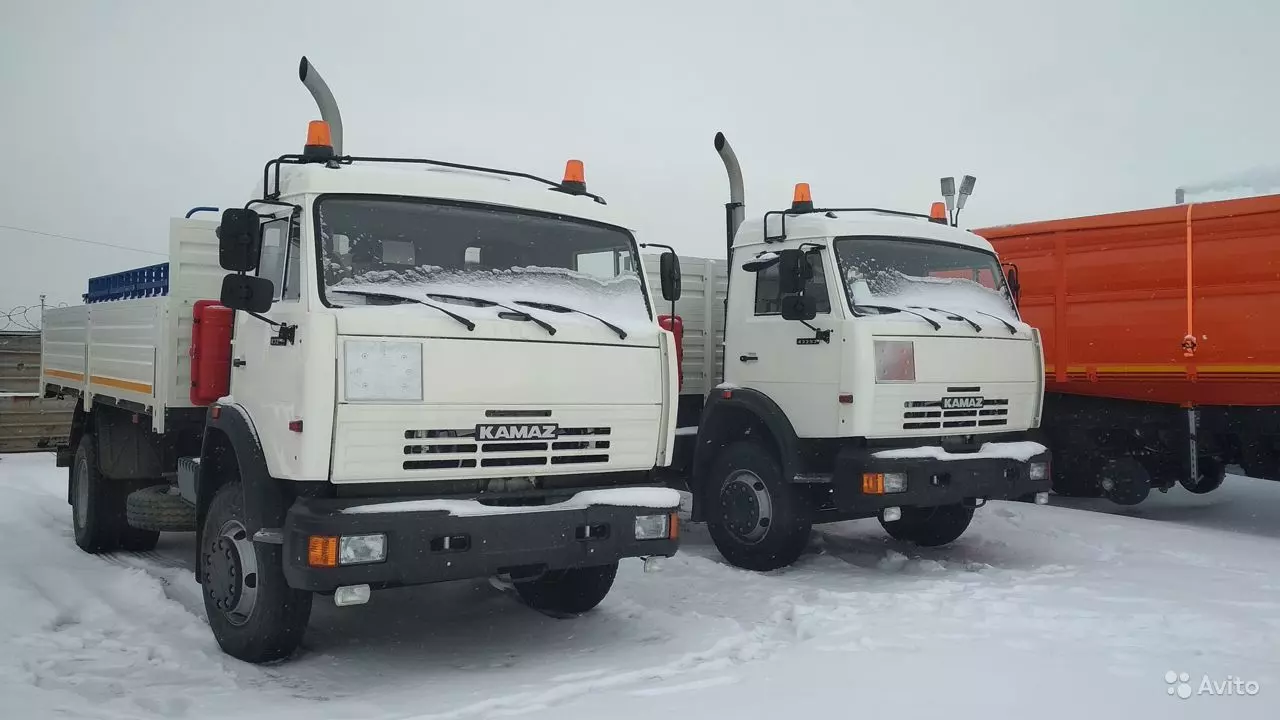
x: 749, y: 357
x: 238, y: 362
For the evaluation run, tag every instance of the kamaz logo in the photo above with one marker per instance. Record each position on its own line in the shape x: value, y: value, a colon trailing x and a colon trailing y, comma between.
x: 961, y: 403
x: 517, y: 432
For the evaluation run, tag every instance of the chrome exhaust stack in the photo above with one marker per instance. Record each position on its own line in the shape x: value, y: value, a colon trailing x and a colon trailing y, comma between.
x: 324, y: 100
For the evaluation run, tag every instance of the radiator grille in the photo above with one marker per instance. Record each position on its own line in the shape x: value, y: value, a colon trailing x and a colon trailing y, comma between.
x: 453, y: 448
x: 930, y: 415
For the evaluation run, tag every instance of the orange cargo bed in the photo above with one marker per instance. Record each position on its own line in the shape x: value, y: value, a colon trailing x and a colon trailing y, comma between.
x: 1110, y: 296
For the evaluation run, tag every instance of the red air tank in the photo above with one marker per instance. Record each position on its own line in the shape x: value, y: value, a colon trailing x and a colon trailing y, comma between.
x: 210, y: 351
x: 676, y: 326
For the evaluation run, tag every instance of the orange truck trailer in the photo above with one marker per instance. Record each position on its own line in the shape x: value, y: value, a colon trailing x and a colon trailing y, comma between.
x: 1161, y: 333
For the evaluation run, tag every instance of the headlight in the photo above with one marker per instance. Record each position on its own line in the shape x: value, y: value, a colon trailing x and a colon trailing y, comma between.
x: 383, y: 370
x: 1038, y: 471
x: 895, y: 361
x: 653, y: 527
x: 360, y: 549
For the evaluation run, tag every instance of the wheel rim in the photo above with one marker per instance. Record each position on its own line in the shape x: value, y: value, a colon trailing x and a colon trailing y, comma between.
x: 231, y: 572
x: 746, y: 506
x: 81, y: 508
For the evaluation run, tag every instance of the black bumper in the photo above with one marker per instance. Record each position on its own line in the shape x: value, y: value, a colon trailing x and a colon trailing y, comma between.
x: 478, y: 546
x: 931, y: 481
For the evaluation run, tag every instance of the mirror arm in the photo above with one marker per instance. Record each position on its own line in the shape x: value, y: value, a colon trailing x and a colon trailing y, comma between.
x: 818, y: 334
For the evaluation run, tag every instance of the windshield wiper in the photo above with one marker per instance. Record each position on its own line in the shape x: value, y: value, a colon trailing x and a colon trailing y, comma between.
x: 953, y: 315
x: 552, y: 307
x: 1012, y: 330
x: 891, y: 308
x: 483, y: 302
x: 392, y: 296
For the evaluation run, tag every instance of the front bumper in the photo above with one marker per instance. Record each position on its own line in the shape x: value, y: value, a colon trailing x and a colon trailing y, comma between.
x: 545, y: 537
x: 932, y: 481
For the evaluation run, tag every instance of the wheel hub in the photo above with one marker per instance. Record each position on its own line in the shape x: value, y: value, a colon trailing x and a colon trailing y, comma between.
x: 230, y: 572
x: 746, y: 506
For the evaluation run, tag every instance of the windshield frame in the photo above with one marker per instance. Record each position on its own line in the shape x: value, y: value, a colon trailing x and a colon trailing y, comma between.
x: 632, y: 245
x: 1002, y: 286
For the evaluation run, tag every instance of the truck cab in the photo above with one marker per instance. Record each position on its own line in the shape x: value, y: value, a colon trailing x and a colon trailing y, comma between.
x: 874, y: 365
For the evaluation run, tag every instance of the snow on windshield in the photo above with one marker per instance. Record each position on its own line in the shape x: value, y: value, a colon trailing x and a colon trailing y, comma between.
x: 619, y: 300
x: 950, y: 294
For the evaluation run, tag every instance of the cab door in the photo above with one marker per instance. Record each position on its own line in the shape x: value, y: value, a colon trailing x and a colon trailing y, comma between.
x: 266, y: 359
x: 782, y: 358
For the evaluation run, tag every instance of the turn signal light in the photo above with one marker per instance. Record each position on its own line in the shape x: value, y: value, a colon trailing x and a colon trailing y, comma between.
x: 674, y: 525
x: 322, y: 551
x: 872, y: 483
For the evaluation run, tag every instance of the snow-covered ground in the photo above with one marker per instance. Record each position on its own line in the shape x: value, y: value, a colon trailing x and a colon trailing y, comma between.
x: 1044, y: 612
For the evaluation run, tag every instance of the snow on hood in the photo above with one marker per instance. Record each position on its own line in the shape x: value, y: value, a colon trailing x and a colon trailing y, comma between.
x: 619, y: 300
x: 950, y: 294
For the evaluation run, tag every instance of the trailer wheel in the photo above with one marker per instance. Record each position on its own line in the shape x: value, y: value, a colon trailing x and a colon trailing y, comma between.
x: 757, y: 521
x: 98, y: 507
x: 1125, y: 481
x: 254, y: 614
x: 930, y: 526
x: 1212, y: 472
x: 568, y: 593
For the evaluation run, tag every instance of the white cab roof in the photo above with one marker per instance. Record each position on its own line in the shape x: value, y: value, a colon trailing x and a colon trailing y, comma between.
x: 818, y: 225
x: 425, y: 181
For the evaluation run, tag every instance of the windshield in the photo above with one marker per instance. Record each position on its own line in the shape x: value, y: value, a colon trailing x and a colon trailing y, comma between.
x: 374, y: 249
x: 905, y: 273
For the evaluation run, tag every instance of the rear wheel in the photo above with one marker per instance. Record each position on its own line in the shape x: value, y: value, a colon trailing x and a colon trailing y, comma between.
x: 568, y: 593
x: 756, y: 519
x: 1212, y: 472
x: 930, y: 526
x: 1125, y: 481
x: 98, y: 507
x: 254, y: 614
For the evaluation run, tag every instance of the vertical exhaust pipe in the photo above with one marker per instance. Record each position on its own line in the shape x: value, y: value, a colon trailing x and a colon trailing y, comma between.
x: 324, y: 99
x: 734, y: 210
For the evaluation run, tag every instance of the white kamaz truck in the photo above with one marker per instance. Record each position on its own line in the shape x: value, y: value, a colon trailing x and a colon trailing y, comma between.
x: 874, y: 365
x: 379, y: 372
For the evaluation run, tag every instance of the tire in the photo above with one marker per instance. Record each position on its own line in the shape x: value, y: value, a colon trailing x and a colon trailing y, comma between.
x: 1212, y: 472
x: 930, y: 526
x: 1125, y: 481
x: 157, y: 508
x: 257, y: 617
x: 568, y: 593
x: 98, y: 507
x: 757, y: 521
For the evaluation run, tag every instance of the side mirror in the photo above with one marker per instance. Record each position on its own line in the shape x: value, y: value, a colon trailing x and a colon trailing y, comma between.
x: 1011, y: 279
x: 797, y: 307
x: 794, y: 272
x: 239, y: 240
x: 669, y: 270
x: 247, y: 293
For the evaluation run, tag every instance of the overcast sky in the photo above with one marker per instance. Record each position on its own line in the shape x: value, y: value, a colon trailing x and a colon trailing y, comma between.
x: 118, y: 115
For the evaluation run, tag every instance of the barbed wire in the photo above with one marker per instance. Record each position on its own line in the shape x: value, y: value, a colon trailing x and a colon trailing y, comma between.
x: 19, y: 317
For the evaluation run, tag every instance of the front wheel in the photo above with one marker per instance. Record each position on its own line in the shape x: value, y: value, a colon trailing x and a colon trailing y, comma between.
x: 254, y: 614
x: 756, y: 519
x: 930, y: 526
x: 568, y: 593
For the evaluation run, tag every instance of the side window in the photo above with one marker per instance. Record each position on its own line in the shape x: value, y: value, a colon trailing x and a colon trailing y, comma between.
x: 272, y: 260
x: 293, y: 268
x: 769, y: 292
x: 604, y: 264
